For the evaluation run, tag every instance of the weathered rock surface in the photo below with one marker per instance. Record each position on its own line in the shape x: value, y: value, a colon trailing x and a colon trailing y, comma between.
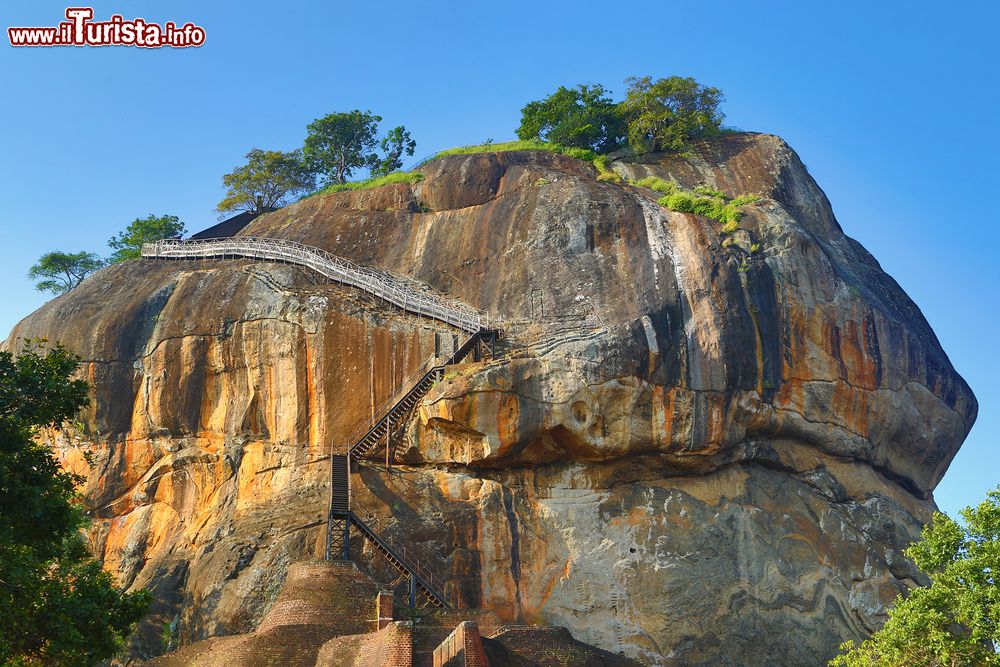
x: 685, y: 447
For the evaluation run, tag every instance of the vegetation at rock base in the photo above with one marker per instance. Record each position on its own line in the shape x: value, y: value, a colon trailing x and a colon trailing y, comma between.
x: 128, y: 244
x: 264, y: 182
x: 339, y: 143
x: 57, y: 606
x: 956, y: 619
x: 59, y: 272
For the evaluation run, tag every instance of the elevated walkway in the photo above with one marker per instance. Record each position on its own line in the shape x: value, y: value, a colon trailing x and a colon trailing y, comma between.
x: 400, y: 291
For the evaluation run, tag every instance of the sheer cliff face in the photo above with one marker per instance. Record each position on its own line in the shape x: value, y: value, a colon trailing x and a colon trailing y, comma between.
x: 683, y: 448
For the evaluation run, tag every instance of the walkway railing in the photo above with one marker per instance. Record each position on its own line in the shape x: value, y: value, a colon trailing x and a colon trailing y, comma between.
x: 399, y: 290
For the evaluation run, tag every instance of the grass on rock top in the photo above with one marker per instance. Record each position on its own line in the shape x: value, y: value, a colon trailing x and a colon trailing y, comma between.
x: 409, y: 177
x: 702, y: 200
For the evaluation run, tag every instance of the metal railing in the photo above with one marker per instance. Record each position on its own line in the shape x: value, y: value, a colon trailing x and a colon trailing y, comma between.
x: 405, y: 561
x: 385, y: 407
x: 384, y: 410
x: 399, y: 290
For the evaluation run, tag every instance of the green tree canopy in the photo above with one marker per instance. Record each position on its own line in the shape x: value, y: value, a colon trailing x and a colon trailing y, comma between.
x: 582, y: 117
x: 955, y: 621
x: 57, y: 606
x: 667, y: 114
x: 264, y: 181
x: 128, y: 244
x: 395, y: 143
x: 59, y: 272
x: 339, y: 143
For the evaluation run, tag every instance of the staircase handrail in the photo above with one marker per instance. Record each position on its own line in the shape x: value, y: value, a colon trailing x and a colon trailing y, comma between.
x: 387, y: 406
x: 402, y: 291
x: 411, y: 382
x: 427, y: 581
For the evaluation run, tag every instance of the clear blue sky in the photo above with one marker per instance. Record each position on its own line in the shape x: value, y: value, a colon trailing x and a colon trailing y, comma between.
x: 894, y: 109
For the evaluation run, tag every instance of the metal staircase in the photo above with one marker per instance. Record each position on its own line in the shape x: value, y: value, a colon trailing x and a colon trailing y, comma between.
x: 391, y: 413
x: 338, y: 539
x: 388, y: 417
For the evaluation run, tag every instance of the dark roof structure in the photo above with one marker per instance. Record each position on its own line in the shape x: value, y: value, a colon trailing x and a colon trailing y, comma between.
x: 228, y: 227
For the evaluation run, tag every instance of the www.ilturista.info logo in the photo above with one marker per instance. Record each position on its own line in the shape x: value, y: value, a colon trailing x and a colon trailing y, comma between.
x: 80, y: 30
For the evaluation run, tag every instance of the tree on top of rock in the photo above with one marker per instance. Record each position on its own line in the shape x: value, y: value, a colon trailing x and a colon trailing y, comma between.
x: 338, y: 144
x: 264, y: 182
x: 666, y: 114
x: 395, y: 143
x: 581, y: 117
x: 59, y: 272
x: 128, y: 244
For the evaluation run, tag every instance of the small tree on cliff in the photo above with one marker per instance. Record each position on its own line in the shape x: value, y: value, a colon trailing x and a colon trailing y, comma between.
x: 667, y: 114
x: 59, y: 272
x: 956, y: 620
x: 128, y: 244
x: 395, y: 143
x: 264, y: 181
x: 57, y: 606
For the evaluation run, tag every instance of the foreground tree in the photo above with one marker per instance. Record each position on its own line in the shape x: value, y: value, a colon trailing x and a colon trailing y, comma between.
x: 59, y: 272
x: 582, y: 117
x: 57, y: 606
x: 264, y: 181
x: 667, y: 114
x: 128, y: 244
x: 394, y: 145
x: 956, y: 620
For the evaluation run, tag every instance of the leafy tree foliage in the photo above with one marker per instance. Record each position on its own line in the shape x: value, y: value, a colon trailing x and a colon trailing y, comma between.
x: 59, y: 272
x: 128, y: 244
x: 339, y: 143
x: 57, y: 607
x: 394, y: 144
x: 581, y: 117
x: 264, y: 181
x: 667, y: 113
x: 956, y: 619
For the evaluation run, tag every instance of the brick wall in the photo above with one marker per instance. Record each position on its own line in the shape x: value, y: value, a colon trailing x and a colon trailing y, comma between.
x: 462, y: 648
x: 431, y: 626
x: 383, y: 606
x: 391, y: 646
x: 335, y: 595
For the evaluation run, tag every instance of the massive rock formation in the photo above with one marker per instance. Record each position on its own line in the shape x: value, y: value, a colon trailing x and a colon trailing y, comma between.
x: 690, y: 453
